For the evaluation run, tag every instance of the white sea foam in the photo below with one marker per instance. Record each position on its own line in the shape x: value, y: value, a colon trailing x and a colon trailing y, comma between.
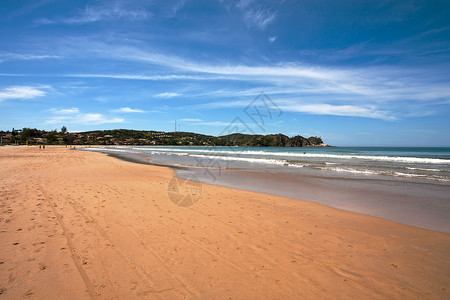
x: 238, y: 153
x: 427, y: 169
x: 244, y: 159
x: 349, y: 170
x: 410, y: 175
x: 385, y: 173
x: 214, y: 157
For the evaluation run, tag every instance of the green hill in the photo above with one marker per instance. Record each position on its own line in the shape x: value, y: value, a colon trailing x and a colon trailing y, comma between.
x: 143, y: 137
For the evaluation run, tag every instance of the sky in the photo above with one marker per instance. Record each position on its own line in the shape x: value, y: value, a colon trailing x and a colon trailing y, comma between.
x: 356, y: 73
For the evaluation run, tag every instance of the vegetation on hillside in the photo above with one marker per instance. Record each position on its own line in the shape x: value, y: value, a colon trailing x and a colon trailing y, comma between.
x: 141, y: 137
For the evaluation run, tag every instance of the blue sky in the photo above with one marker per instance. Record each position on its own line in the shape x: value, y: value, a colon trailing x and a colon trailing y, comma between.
x: 356, y: 73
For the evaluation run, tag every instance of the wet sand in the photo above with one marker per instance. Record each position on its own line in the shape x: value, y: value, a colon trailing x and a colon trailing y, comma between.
x: 424, y: 205
x: 80, y: 225
x: 419, y: 203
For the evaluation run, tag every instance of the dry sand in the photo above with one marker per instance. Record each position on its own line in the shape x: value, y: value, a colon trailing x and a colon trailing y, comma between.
x: 79, y: 225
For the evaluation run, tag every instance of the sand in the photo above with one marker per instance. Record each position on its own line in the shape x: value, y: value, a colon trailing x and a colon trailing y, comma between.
x: 80, y: 225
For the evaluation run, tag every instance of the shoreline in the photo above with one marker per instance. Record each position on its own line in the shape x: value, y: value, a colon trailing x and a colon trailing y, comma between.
x: 409, y: 205
x: 95, y: 226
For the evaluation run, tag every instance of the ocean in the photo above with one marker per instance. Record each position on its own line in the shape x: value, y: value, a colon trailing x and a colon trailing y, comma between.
x: 410, y: 185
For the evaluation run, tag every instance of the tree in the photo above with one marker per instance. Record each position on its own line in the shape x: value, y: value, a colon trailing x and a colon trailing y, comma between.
x: 29, y: 133
x: 52, y: 137
x: 68, y: 139
x: 63, y: 130
x: 14, y: 137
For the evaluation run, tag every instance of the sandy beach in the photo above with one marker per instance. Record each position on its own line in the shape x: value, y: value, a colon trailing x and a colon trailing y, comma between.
x: 80, y: 225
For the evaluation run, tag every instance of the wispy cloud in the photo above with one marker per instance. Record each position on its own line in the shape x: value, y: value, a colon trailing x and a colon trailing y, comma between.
x: 254, y: 14
x: 65, y: 111
x: 339, y: 110
x: 243, y: 4
x: 382, y: 86
x: 29, y: 8
x: 141, y: 77
x: 389, y: 88
x: 167, y: 95
x: 75, y: 116
x: 22, y: 92
x: 190, y: 120
x: 6, y: 56
x: 179, y: 5
x: 128, y: 110
x: 272, y: 39
x: 314, y: 107
x: 213, y: 123
x: 111, y: 12
x: 259, y: 18
x: 224, y: 124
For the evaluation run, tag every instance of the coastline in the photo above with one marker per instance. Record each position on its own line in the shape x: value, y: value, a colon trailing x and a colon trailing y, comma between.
x: 420, y: 204
x: 94, y: 226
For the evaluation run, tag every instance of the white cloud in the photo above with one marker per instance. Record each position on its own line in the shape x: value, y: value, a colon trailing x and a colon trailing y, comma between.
x: 167, y: 95
x: 388, y: 87
x: 339, y: 110
x: 21, y: 92
x: 74, y: 116
x: 179, y: 5
x: 259, y: 18
x: 190, y: 120
x: 255, y: 15
x: 101, y: 99
x: 243, y: 4
x: 177, y: 63
x: 272, y: 39
x: 214, y: 123
x: 29, y: 8
x: 65, y: 111
x: 145, y: 77
x: 95, y: 118
x: 91, y: 14
x: 5, y: 56
x: 289, y: 105
x: 392, y: 89
x: 225, y: 124
x: 128, y: 110
x: 375, y: 84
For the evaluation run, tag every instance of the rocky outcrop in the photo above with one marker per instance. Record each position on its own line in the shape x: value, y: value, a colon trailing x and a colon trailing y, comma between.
x: 271, y: 140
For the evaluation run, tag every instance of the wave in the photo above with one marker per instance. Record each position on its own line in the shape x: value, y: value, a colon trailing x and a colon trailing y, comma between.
x: 221, y: 161
x: 244, y: 159
x: 347, y: 170
x: 237, y: 153
x: 385, y: 173
x: 427, y: 169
